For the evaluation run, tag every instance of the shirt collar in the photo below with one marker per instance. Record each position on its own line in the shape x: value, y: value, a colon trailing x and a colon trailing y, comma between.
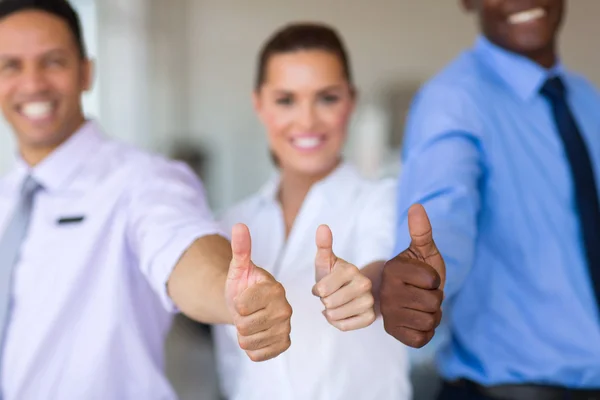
x: 522, y: 75
x: 330, y: 188
x: 59, y: 168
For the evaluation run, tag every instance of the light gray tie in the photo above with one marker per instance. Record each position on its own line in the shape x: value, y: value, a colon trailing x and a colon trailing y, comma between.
x: 10, y: 247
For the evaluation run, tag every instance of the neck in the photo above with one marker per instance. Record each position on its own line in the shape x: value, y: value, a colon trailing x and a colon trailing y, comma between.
x: 35, y: 154
x: 293, y: 189
x: 546, y: 58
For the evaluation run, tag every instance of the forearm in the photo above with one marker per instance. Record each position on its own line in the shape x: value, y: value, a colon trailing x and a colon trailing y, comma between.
x: 373, y: 272
x: 197, y: 283
x: 444, y: 174
x: 457, y: 246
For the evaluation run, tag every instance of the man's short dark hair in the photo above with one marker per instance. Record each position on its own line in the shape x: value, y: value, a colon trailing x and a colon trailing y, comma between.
x: 60, y: 8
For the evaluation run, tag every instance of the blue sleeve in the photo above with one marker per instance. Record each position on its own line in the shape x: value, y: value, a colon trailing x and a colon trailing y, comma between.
x: 443, y: 169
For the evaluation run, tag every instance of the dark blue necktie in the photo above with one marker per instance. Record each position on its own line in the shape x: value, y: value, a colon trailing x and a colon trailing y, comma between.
x: 582, y: 171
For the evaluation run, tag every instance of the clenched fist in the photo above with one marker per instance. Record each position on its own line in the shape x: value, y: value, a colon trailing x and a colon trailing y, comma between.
x: 343, y: 289
x: 412, y: 285
x: 257, y: 302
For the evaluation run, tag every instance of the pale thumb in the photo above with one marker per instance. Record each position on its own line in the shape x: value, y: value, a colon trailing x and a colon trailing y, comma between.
x: 241, y: 261
x: 325, y: 258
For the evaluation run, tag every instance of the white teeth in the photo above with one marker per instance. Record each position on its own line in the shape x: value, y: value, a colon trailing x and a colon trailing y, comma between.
x: 37, y: 110
x: 307, y: 142
x: 527, y: 16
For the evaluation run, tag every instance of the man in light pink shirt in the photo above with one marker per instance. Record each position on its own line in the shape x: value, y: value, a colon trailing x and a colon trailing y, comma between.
x: 101, y: 243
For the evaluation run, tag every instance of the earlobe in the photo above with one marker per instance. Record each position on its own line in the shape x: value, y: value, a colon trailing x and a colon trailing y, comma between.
x: 257, y: 104
x: 88, y: 74
x: 256, y: 101
x: 468, y: 5
x: 354, y: 94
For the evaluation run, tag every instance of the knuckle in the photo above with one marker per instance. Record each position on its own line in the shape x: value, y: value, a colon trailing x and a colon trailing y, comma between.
x: 245, y: 343
x: 323, y: 302
x: 285, y: 312
x: 256, y: 356
x: 365, y: 284
x: 242, y: 308
x: 410, y: 338
x: 352, y: 270
x: 282, y: 338
x: 331, y: 315
x: 287, y: 343
x: 344, y: 267
x: 439, y: 300
x: 237, y: 320
x: 318, y: 290
x: 429, y: 322
x: 428, y: 276
x: 342, y: 326
x: 244, y: 329
x: 278, y: 290
x: 434, y: 302
x: 371, y: 317
x: 369, y: 301
x: 286, y: 329
x: 418, y: 340
x: 366, y: 320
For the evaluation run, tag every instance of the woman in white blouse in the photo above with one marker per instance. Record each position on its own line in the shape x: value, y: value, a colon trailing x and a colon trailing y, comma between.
x: 305, y: 97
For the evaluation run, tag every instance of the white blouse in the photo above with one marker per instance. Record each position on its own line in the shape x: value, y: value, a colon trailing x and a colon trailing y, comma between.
x: 323, y: 363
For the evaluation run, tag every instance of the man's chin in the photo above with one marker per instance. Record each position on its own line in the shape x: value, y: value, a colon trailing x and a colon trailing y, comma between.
x: 41, y: 140
x: 530, y: 43
x: 531, y: 47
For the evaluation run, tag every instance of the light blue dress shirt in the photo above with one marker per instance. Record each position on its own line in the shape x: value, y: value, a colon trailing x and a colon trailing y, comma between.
x: 483, y: 155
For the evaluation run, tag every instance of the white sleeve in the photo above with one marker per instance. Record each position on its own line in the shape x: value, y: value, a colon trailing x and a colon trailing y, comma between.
x: 376, y: 224
x: 168, y: 211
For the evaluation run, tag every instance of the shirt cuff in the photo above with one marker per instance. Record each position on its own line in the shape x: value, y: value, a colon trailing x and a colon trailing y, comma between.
x: 168, y: 258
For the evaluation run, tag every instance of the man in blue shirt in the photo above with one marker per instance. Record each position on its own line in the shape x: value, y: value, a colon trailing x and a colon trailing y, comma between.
x: 503, y: 150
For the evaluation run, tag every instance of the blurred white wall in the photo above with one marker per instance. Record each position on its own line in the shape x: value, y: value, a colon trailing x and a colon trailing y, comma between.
x: 6, y: 146
x: 184, y: 69
x: 123, y: 66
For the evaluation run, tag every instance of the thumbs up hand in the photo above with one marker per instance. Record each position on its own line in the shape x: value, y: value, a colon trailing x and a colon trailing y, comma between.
x: 412, y: 285
x: 343, y: 289
x: 257, y: 302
